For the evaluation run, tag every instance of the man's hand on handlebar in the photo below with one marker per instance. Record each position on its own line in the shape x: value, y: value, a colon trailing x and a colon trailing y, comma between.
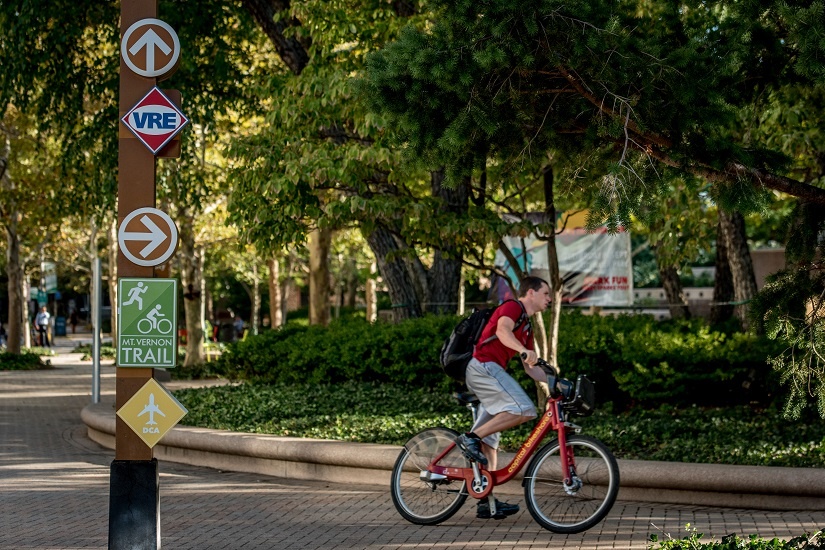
x: 530, y: 357
x: 539, y: 362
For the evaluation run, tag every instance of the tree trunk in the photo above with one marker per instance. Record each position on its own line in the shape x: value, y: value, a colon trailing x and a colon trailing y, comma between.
x: 290, y: 49
x: 444, y: 277
x: 276, y: 297
x: 255, y: 320
x: 721, y: 311
x: 676, y: 302
x: 18, y: 309
x: 556, y: 283
x: 739, y: 258
x: 319, y: 244
x: 371, y: 296
x: 288, y: 284
x: 396, y: 276
x: 112, y: 251
x: 351, y: 283
x: 191, y: 274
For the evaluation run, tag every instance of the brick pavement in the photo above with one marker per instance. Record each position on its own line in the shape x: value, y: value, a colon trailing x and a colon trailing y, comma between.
x: 54, y: 495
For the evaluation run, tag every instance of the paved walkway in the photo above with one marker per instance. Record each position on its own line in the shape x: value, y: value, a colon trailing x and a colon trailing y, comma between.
x: 54, y: 490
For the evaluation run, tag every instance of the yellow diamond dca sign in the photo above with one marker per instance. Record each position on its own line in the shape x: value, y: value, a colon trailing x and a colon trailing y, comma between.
x: 151, y: 412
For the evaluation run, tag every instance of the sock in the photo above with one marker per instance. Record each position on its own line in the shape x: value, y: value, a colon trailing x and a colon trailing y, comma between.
x: 472, y: 434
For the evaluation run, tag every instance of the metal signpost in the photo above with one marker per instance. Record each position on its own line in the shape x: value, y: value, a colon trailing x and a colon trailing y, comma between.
x: 151, y: 120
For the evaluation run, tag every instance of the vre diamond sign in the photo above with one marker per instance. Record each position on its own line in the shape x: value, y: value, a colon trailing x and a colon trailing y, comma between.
x: 155, y: 120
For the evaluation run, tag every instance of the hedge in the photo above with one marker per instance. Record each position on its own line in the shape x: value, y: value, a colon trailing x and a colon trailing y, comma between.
x: 634, y: 359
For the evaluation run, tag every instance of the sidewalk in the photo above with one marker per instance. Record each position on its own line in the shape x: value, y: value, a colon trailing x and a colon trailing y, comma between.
x: 54, y: 494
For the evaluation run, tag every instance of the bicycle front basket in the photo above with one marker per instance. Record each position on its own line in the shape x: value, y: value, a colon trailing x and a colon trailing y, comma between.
x: 584, y: 398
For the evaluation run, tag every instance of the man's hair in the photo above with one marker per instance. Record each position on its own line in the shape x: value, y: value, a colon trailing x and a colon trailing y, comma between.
x: 530, y: 283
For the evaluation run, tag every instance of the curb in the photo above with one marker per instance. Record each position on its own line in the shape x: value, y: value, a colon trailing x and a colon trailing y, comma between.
x: 750, y: 487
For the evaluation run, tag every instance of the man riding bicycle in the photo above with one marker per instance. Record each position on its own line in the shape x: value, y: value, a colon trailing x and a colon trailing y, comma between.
x: 504, y: 403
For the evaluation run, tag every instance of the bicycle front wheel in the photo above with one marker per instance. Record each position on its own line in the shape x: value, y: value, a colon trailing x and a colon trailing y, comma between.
x: 417, y: 497
x: 587, y: 500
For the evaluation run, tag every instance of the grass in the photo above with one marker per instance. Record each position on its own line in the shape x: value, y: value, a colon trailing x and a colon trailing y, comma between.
x: 29, y: 359
x: 373, y: 413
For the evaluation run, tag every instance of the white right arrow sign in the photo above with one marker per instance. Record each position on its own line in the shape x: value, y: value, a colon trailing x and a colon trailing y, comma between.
x: 156, y: 236
x: 142, y: 233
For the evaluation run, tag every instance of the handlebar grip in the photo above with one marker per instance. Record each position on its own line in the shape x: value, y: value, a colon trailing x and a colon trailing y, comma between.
x: 523, y: 355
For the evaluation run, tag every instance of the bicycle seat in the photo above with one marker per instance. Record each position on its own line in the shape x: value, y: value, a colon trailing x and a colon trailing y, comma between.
x: 466, y: 398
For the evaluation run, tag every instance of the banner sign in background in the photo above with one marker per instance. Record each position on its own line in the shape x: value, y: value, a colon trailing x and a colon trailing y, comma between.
x: 148, y: 319
x: 596, y: 267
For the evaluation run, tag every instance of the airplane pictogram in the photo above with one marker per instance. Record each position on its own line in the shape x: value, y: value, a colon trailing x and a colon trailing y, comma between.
x: 151, y: 408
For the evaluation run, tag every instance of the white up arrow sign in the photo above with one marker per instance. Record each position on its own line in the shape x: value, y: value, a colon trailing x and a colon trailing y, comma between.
x: 144, y: 247
x: 153, y: 37
x: 150, y: 40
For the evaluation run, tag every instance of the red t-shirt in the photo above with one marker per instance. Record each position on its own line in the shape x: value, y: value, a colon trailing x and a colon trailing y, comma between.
x: 494, y: 350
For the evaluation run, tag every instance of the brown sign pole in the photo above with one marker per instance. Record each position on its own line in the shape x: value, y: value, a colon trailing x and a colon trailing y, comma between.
x: 134, y: 503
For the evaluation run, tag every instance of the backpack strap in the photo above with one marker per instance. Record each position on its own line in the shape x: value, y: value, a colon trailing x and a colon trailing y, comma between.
x: 520, y: 321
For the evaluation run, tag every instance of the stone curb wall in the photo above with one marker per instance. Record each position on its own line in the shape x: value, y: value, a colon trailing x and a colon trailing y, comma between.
x: 751, y: 487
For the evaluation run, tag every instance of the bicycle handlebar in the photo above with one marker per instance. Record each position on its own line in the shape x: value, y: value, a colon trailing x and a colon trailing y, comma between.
x: 545, y: 366
x: 558, y: 385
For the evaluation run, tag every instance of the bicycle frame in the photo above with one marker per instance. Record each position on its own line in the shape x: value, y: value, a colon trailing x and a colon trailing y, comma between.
x: 551, y: 419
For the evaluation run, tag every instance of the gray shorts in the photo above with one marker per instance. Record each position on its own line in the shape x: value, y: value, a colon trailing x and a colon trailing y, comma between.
x: 498, y: 392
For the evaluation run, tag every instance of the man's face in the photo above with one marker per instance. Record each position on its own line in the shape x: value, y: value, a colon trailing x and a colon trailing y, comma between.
x: 540, y: 298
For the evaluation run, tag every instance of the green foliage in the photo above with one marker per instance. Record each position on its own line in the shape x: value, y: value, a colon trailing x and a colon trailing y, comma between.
x: 791, y: 310
x: 633, y: 359
x: 729, y: 435
x: 106, y: 351
x: 202, y: 371
x: 607, y: 87
x: 372, y: 412
x: 693, y: 541
x: 353, y: 411
x: 23, y: 361
x: 349, y: 349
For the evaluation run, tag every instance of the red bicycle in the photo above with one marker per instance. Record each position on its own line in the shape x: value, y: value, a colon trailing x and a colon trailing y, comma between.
x: 570, y: 483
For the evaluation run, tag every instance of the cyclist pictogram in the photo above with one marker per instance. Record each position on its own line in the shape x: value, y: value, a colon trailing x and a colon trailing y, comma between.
x: 152, y: 322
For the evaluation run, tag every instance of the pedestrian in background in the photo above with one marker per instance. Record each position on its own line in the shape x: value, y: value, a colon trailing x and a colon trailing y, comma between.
x: 73, y: 320
x: 41, y: 324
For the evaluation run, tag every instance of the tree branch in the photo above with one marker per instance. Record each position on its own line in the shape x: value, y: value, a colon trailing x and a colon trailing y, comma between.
x: 661, y: 141
x: 291, y: 50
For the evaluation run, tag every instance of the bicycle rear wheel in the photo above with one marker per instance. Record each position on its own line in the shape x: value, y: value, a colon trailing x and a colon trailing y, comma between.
x: 580, y: 506
x: 421, y: 501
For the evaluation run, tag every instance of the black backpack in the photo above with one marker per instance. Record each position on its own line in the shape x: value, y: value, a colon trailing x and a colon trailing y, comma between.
x: 457, y: 350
